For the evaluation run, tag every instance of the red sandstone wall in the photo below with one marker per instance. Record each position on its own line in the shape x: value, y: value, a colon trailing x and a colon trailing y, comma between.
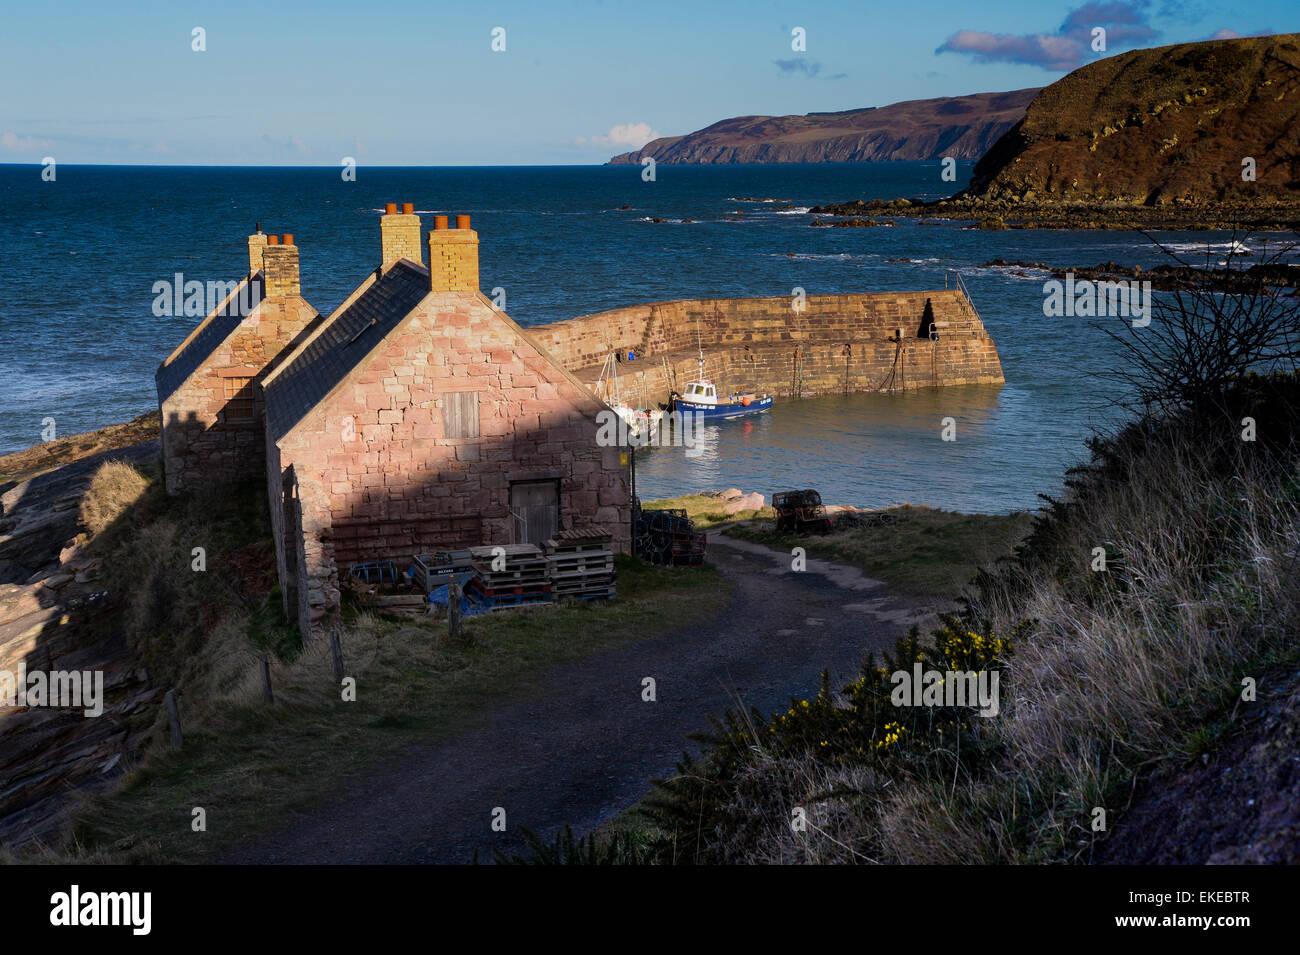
x: 201, y: 447
x: 401, y: 486
x: 836, y: 343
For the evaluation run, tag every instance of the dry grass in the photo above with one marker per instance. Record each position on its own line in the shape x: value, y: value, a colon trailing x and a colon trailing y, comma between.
x: 1119, y: 670
x: 114, y: 488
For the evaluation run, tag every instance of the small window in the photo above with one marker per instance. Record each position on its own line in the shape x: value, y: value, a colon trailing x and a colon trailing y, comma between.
x: 460, y: 414
x: 239, y: 399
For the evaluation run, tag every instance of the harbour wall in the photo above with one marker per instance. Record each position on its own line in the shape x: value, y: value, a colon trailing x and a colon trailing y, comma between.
x: 833, y: 344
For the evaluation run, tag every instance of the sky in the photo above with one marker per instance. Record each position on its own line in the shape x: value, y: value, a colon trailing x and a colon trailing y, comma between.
x: 297, y: 84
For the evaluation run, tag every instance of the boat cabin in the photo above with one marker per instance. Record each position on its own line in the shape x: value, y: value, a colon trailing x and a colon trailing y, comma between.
x: 702, y: 392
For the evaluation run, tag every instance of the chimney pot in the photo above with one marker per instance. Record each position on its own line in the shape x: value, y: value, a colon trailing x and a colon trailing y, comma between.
x: 440, y: 222
x: 287, y: 239
x: 272, y: 240
x: 399, y: 235
x: 280, y: 270
x: 390, y: 208
x: 453, y: 257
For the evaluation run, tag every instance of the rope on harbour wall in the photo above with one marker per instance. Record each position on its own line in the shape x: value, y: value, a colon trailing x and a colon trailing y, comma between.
x: 891, y: 376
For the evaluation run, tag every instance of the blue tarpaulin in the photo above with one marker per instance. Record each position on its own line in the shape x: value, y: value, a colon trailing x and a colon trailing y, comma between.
x: 469, y: 606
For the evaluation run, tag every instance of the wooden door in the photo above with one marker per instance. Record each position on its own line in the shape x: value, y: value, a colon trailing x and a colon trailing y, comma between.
x: 537, y: 504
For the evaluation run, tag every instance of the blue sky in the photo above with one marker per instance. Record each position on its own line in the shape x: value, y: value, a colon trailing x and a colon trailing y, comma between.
x: 419, y: 84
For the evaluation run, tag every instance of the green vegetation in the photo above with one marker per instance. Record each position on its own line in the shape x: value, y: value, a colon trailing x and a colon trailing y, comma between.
x: 916, y: 550
x: 705, y: 511
x: 255, y: 766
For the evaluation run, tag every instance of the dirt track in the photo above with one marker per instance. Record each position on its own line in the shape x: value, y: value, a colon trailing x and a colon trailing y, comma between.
x: 589, y: 750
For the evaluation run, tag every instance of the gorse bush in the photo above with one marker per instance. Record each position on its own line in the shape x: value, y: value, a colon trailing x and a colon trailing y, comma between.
x: 862, y: 725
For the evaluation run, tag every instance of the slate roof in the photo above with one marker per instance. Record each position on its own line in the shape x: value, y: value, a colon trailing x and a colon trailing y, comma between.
x: 214, y: 330
x: 341, y: 346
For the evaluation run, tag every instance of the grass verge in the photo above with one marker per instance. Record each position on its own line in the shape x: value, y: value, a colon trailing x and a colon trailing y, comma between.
x: 922, y: 551
x: 706, y: 511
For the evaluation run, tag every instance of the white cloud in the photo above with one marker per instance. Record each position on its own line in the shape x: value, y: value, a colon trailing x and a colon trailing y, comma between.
x: 12, y: 142
x: 629, y: 136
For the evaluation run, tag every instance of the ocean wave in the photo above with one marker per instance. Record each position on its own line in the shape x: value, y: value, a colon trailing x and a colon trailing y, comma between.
x: 1209, y: 248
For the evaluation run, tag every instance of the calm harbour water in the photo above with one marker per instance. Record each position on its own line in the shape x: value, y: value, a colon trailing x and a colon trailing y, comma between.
x: 80, y: 256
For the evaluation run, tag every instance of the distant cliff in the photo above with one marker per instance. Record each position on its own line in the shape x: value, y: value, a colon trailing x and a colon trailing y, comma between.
x: 963, y: 127
x: 1153, y: 127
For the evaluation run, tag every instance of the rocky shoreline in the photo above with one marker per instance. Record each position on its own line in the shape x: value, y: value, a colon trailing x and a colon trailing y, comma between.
x: 1027, y: 213
x: 1172, y: 278
x: 55, y: 615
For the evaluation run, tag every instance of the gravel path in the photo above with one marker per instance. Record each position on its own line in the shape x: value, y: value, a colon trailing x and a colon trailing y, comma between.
x: 590, y: 749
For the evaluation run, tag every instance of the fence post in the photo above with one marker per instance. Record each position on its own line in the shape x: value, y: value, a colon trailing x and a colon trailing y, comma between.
x: 336, y: 651
x: 174, y: 717
x: 267, y: 695
x: 453, y: 609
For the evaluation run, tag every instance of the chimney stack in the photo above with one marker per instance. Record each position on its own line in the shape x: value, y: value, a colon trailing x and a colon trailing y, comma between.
x: 256, y: 243
x: 280, y: 265
x: 453, y: 256
x: 399, y: 234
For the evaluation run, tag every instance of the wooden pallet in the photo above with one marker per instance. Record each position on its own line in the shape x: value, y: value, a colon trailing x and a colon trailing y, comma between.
x: 580, y: 565
x: 588, y: 588
x: 577, y: 542
x: 592, y: 561
x: 507, y: 592
x: 524, y: 571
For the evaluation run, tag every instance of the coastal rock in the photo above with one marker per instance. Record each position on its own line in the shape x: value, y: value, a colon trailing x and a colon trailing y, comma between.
x: 746, y: 502
x: 1158, y: 127
x: 850, y: 223
x: 962, y: 127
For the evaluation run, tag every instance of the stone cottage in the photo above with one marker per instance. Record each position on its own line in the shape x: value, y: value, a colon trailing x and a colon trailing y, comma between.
x: 419, y: 417
x: 208, y: 388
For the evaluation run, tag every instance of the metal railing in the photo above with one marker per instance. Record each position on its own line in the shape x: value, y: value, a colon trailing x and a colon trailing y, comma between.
x: 961, y: 287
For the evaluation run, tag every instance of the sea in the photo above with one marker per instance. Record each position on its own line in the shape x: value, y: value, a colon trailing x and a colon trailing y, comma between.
x: 80, y: 257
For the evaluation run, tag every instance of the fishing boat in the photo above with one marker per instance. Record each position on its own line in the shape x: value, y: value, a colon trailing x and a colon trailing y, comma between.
x: 642, y: 423
x: 702, y: 399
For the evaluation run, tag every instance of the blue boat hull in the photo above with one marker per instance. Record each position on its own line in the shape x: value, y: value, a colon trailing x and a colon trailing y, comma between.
x: 724, y: 410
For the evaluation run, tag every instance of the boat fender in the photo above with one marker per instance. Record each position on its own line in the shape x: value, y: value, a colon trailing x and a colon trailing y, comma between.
x: 745, y: 401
